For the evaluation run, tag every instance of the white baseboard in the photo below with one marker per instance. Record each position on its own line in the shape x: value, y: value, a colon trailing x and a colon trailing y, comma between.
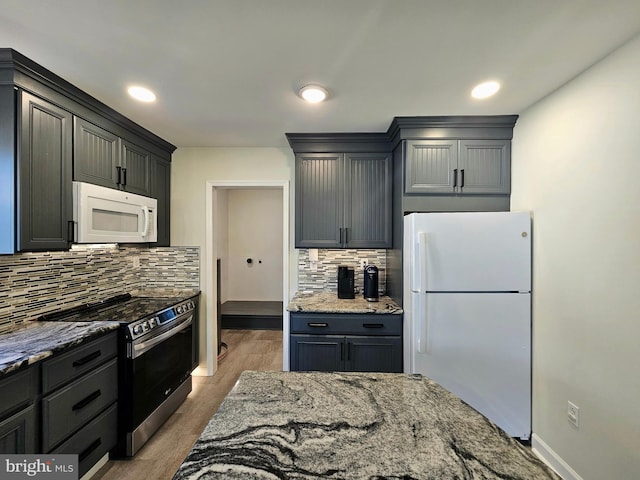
x: 551, y: 458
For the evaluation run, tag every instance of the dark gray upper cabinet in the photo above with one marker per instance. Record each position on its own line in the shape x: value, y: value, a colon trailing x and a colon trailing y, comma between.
x: 161, y: 190
x: 367, y: 200
x: 96, y: 154
x: 343, y: 200
x: 52, y: 133
x: 485, y: 166
x: 135, y: 168
x: 44, y: 207
x: 103, y: 158
x: 319, y: 204
x: 458, y: 167
x: 431, y: 166
x: 343, y: 190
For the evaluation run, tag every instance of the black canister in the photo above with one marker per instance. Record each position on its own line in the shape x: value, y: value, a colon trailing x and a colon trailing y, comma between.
x: 345, y: 282
x: 371, y: 283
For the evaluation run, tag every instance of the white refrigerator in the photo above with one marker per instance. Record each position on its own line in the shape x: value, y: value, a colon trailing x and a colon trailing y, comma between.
x: 467, y: 304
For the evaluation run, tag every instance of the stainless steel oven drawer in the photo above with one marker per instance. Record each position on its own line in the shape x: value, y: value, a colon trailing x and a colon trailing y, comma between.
x: 64, y: 368
x: 94, y: 440
x: 66, y: 410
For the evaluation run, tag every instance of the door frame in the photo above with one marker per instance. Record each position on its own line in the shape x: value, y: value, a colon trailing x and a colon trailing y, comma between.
x: 210, y: 269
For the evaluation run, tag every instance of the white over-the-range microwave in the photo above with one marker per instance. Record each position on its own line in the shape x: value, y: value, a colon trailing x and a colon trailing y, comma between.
x: 106, y: 215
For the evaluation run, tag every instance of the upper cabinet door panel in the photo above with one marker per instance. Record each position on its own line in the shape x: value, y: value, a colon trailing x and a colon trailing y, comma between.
x: 161, y: 191
x: 96, y: 154
x: 319, y: 200
x: 44, y: 177
x: 137, y: 168
x: 431, y: 166
x: 485, y: 166
x: 368, y: 200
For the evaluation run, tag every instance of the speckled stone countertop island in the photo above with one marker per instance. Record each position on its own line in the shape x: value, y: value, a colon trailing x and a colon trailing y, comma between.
x: 328, y: 302
x: 35, y: 341
x: 316, y: 425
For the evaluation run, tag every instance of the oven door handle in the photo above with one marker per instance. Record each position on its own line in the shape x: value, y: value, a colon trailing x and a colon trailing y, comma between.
x: 142, y: 347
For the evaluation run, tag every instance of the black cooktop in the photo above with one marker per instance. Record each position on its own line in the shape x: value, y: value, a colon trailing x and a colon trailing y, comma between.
x: 121, y: 308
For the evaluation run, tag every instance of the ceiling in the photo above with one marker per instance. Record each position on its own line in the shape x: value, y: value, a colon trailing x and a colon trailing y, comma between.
x: 226, y: 71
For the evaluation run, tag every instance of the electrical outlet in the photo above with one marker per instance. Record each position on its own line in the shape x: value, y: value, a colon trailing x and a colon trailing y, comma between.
x: 363, y: 262
x: 135, y: 262
x: 573, y: 414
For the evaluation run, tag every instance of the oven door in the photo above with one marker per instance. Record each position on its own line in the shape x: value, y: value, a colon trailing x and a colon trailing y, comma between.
x: 158, y: 367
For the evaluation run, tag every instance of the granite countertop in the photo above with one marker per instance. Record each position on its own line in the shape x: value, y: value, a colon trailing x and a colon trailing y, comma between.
x: 353, y: 426
x: 35, y: 341
x: 328, y: 302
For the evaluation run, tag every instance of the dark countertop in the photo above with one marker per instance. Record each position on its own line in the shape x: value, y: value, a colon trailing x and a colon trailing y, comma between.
x: 353, y: 426
x: 328, y: 302
x: 36, y: 341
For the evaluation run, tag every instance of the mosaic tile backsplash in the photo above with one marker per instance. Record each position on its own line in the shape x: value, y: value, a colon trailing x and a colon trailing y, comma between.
x: 324, y: 276
x: 34, y: 283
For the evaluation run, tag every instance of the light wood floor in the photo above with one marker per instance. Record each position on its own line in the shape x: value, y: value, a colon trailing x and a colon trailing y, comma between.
x: 164, y: 452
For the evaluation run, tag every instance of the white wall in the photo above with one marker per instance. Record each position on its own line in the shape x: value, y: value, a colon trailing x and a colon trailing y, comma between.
x: 191, y: 169
x: 254, y: 231
x: 576, y: 166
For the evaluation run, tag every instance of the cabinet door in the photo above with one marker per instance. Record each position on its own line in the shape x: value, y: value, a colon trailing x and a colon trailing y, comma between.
x: 96, y: 154
x: 44, y: 175
x: 161, y: 190
x: 485, y: 166
x: 431, y: 166
x: 319, y: 200
x: 367, y: 201
x: 17, y: 433
x: 373, y: 354
x: 323, y: 353
x: 136, y: 168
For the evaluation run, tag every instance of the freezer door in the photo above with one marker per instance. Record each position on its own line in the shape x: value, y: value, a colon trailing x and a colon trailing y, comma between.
x: 478, y: 346
x: 468, y: 252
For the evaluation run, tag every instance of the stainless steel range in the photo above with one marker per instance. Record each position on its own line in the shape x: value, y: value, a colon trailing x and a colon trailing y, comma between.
x: 157, y: 353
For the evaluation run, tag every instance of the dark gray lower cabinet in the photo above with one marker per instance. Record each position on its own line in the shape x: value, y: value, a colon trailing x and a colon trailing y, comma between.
x: 79, y: 401
x: 18, y: 412
x: 18, y: 432
x: 346, y: 342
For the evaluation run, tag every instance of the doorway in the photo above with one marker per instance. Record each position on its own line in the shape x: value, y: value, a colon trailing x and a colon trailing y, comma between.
x: 244, y: 239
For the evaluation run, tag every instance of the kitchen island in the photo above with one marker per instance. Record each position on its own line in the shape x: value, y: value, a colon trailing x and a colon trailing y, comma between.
x: 352, y: 426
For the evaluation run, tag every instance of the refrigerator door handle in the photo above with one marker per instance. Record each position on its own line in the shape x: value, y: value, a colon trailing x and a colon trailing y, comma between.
x: 420, y: 264
x: 421, y: 323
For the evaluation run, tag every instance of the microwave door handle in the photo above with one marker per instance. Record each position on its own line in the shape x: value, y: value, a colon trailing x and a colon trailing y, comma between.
x: 145, y: 229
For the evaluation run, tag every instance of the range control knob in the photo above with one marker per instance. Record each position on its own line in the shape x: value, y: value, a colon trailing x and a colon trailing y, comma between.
x: 153, y: 322
x: 180, y: 309
x: 137, y: 329
x: 192, y: 305
x: 145, y: 326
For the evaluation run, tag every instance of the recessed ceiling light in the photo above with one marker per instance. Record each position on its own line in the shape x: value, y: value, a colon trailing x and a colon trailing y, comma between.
x: 485, y: 90
x: 142, y: 94
x: 313, y: 93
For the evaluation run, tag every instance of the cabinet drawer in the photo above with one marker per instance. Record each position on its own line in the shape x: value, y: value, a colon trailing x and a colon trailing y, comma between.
x: 94, y: 440
x: 17, y: 433
x: 18, y: 390
x: 60, y: 370
x: 346, y: 324
x: 66, y: 410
